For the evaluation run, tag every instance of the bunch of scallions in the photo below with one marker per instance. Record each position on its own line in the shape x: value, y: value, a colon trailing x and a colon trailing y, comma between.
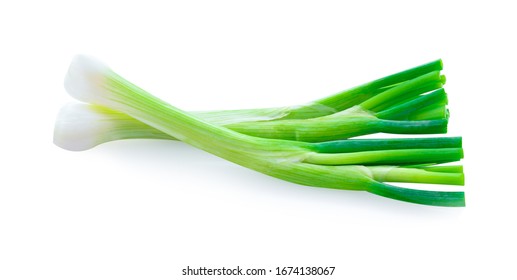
x: 306, y: 144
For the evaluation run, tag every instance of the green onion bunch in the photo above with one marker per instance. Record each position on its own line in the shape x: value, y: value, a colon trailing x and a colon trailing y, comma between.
x: 311, y: 144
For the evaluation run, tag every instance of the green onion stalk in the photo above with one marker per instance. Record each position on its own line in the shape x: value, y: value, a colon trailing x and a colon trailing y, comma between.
x: 342, y: 164
x: 399, y: 103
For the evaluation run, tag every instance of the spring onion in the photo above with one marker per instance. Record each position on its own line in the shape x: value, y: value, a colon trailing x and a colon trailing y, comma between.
x: 403, y: 110
x: 342, y: 164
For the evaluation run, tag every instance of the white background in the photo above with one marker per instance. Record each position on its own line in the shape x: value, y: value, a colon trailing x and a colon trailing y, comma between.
x: 147, y: 209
